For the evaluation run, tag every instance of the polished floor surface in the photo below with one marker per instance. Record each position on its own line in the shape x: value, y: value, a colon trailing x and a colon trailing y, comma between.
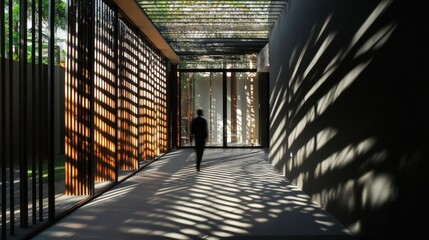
x: 237, y: 194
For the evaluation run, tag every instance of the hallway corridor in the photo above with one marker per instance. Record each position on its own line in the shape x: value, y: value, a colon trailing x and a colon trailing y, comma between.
x: 236, y: 195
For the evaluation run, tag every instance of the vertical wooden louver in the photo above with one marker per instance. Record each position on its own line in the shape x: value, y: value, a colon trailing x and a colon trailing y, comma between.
x: 105, y: 93
x: 65, y: 126
x: 128, y: 98
x: 144, y: 108
x: 115, y: 107
x: 78, y: 100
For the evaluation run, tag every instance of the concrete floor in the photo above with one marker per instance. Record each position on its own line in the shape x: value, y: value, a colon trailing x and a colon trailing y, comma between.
x: 236, y: 195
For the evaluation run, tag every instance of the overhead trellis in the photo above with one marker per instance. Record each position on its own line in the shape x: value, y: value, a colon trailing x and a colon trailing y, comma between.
x: 210, y: 30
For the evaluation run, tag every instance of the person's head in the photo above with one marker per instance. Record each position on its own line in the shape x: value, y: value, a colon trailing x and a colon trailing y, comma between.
x: 200, y: 112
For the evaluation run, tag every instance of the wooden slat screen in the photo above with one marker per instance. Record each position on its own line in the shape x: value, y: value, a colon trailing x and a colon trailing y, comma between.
x: 78, y: 97
x: 73, y: 114
x: 116, y: 107
x: 105, y: 93
x: 128, y: 98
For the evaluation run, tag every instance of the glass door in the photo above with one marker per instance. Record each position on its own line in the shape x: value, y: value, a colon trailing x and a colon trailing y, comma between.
x: 202, y: 90
x: 230, y: 102
x: 242, y: 109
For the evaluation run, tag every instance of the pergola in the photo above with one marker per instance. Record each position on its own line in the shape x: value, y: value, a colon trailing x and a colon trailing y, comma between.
x: 208, y: 31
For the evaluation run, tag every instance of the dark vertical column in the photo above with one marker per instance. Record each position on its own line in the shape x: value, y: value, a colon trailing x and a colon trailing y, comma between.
x: 22, y: 153
x: 12, y: 125
x: 91, y: 52
x: 69, y: 93
x: 33, y: 123
x: 264, y: 109
x: 3, y: 118
x: 79, y: 65
x: 38, y: 101
x: 172, y: 106
x: 224, y: 106
x: 79, y: 180
x: 96, y: 159
x: 120, y: 96
x: 50, y: 112
x: 116, y: 88
x: 233, y: 82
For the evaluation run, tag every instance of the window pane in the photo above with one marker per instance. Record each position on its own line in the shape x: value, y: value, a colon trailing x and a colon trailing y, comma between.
x: 205, y: 90
x: 242, y: 109
x: 202, y: 90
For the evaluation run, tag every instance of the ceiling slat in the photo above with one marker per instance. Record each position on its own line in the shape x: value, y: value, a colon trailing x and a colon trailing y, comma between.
x: 202, y: 28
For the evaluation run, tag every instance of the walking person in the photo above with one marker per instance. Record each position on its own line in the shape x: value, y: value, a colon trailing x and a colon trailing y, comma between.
x: 200, y: 133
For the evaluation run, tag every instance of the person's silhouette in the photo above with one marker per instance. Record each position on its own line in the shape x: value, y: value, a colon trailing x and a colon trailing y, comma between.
x: 200, y: 132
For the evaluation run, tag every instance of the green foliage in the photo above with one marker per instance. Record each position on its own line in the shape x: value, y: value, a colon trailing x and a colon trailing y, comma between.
x: 59, y: 169
x: 13, y: 27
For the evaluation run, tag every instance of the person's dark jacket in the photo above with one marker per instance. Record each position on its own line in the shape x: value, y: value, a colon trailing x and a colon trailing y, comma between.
x: 199, y: 130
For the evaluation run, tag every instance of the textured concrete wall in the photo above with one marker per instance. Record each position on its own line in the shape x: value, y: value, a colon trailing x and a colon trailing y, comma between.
x: 349, y: 110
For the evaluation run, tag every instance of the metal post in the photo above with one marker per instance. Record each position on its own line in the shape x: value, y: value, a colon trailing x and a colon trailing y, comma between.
x: 3, y: 119
x: 22, y: 153
x: 50, y: 99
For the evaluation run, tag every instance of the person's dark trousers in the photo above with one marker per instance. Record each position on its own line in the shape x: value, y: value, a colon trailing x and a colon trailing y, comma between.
x: 199, y: 150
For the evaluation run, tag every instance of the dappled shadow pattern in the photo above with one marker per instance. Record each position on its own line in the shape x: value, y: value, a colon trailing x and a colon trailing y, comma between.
x: 348, y: 119
x: 237, y: 194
